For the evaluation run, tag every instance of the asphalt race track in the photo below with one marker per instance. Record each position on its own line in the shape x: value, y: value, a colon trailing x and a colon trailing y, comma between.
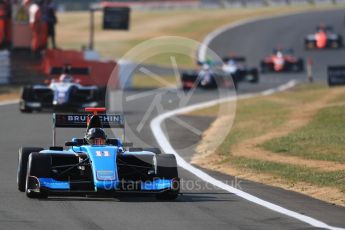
x: 203, y: 207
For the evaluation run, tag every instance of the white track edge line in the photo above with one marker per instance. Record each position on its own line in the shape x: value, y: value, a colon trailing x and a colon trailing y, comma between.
x: 164, y: 143
x: 9, y: 102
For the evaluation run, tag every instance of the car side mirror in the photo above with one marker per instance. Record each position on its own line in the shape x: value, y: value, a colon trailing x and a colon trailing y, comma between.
x: 71, y: 143
x: 127, y: 144
x: 199, y: 63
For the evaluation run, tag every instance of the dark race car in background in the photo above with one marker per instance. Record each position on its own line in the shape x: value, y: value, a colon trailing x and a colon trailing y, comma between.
x: 61, y: 94
x: 282, y: 61
x: 226, y: 74
x: 206, y: 77
x: 323, y: 38
x: 237, y: 68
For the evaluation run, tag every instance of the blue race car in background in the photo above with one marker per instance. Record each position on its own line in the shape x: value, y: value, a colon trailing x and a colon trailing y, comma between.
x: 106, y: 169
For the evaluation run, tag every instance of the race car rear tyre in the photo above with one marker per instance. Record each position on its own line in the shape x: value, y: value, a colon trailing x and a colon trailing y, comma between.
x: 264, y: 67
x: 38, y: 167
x: 167, y: 169
x: 23, y: 108
x: 340, y: 41
x: 154, y: 150
x: 255, y: 75
x: 300, y: 65
x: 23, y: 157
x: 186, y: 88
x: 26, y: 95
x: 309, y: 45
x: 26, y: 92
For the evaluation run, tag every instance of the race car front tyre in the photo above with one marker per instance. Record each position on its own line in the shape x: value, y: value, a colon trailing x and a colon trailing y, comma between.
x: 23, y: 108
x: 167, y: 169
x: 23, y: 157
x: 38, y: 167
x: 102, y: 96
x: 296, y: 67
x: 308, y: 45
x: 265, y: 68
x: 340, y: 42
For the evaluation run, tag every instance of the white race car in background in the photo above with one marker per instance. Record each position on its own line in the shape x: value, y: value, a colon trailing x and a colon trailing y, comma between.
x: 64, y: 94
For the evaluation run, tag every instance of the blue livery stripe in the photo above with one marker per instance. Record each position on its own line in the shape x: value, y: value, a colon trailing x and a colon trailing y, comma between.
x: 54, y: 184
x: 157, y: 184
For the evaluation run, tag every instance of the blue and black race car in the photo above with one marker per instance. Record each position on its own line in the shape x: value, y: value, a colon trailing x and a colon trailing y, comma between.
x: 95, y: 165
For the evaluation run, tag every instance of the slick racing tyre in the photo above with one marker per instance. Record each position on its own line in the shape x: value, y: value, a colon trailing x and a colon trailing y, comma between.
x: 38, y: 167
x: 154, y: 150
x: 264, y: 67
x: 25, y: 96
x: 300, y: 65
x: 167, y: 169
x: 255, y: 76
x: 23, y: 157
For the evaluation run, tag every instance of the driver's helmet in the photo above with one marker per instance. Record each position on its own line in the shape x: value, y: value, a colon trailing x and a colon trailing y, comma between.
x: 322, y: 27
x: 66, y: 78
x: 231, y: 62
x: 96, y: 136
x: 206, y: 67
x: 279, y: 54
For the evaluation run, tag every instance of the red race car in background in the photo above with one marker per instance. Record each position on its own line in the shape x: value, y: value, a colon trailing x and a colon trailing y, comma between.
x: 323, y: 38
x: 282, y: 61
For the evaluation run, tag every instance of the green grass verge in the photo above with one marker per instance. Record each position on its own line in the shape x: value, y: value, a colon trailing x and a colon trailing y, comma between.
x: 256, y: 116
x: 321, y: 139
x: 292, y: 173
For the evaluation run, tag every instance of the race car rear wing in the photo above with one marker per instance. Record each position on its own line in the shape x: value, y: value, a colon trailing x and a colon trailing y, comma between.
x: 82, y: 121
x: 234, y: 58
x: 326, y: 28
x: 72, y: 70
